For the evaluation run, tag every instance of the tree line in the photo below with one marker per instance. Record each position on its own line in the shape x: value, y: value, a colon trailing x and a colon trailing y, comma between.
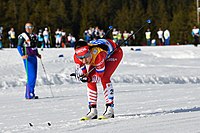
x: 74, y: 16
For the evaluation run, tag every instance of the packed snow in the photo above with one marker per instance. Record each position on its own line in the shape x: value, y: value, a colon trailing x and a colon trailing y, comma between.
x: 157, y: 90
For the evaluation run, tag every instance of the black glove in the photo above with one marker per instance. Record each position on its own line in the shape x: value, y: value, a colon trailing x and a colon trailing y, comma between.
x: 84, y: 79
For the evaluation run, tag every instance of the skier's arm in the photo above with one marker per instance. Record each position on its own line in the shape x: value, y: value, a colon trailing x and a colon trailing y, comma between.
x: 20, y: 47
x: 80, y: 65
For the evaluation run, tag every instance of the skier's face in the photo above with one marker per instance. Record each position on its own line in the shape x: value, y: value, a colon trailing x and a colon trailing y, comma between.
x: 86, y: 60
x: 29, y: 28
x: 83, y: 54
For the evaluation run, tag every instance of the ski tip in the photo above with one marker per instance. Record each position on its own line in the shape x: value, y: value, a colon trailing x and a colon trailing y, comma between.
x: 84, y: 119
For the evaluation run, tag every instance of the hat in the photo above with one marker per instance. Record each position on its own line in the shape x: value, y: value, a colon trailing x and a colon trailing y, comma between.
x: 82, y: 52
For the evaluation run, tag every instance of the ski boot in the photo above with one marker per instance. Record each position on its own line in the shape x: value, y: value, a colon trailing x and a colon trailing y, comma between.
x: 31, y: 96
x: 109, y: 112
x: 92, y: 114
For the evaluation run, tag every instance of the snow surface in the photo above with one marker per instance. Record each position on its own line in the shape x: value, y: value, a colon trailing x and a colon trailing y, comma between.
x: 157, y: 90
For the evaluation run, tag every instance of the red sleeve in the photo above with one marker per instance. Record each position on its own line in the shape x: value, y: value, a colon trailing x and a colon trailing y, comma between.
x: 100, y: 63
x: 82, y: 66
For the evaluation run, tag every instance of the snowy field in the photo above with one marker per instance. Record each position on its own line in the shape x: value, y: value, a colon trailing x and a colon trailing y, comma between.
x: 157, y: 90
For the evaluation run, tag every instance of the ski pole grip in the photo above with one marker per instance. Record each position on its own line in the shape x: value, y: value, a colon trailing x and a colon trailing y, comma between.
x: 73, y: 74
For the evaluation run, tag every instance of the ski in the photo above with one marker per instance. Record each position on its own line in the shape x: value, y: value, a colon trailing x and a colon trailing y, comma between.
x: 99, y: 118
x: 102, y: 118
x: 87, y: 119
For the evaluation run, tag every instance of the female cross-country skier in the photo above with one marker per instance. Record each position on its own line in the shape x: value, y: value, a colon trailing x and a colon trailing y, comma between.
x: 102, y: 64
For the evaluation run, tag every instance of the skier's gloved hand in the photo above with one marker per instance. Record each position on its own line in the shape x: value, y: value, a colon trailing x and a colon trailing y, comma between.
x: 24, y: 57
x: 84, y: 79
x: 39, y: 56
x: 78, y: 72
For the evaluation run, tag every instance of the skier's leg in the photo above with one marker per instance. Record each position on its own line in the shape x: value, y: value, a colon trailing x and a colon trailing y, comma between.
x: 32, y: 75
x: 92, y: 91
x: 92, y: 101
x: 113, y: 61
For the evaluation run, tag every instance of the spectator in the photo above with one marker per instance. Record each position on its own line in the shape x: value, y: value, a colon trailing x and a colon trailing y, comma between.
x: 58, y: 37
x: 148, y: 37
x: 160, y: 36
x: 63, y: 39
x: 46, y: 38
x: 69, y: 38
x: 114, y: 34
x: 102, y: 33
x: 195, y: 34
x: 132, y: 38
x: 96, y: 33
x: 1, y: 37
x: 167, y: 37
x: 27, y: 48
x: 153, y: 42
x: 86, y: 36
x: 125, y: 36
x: 11, y: 37
x: 119, y: 37
x: 73, y: 41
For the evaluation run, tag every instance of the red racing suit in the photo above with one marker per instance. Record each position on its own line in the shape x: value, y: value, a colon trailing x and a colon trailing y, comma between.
x: 103, y: 69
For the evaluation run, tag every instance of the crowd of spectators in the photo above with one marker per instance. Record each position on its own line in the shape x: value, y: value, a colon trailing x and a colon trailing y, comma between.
x: 61, y: 39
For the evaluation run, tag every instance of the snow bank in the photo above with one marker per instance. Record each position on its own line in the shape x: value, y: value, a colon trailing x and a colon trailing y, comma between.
x: 165, y: 65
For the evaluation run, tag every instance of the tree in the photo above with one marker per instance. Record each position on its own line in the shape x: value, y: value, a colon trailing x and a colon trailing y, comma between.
x: 87, y: 15
x: 75, y: 17
x: 57, y: 16
x: 179, y: 24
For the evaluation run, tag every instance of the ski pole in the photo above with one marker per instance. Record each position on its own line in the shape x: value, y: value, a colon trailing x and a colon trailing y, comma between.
x: 108, y: 31
x: 46, y: 77
x: 134, y: 33
x: 27, y: 79
x: 148, y: 21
